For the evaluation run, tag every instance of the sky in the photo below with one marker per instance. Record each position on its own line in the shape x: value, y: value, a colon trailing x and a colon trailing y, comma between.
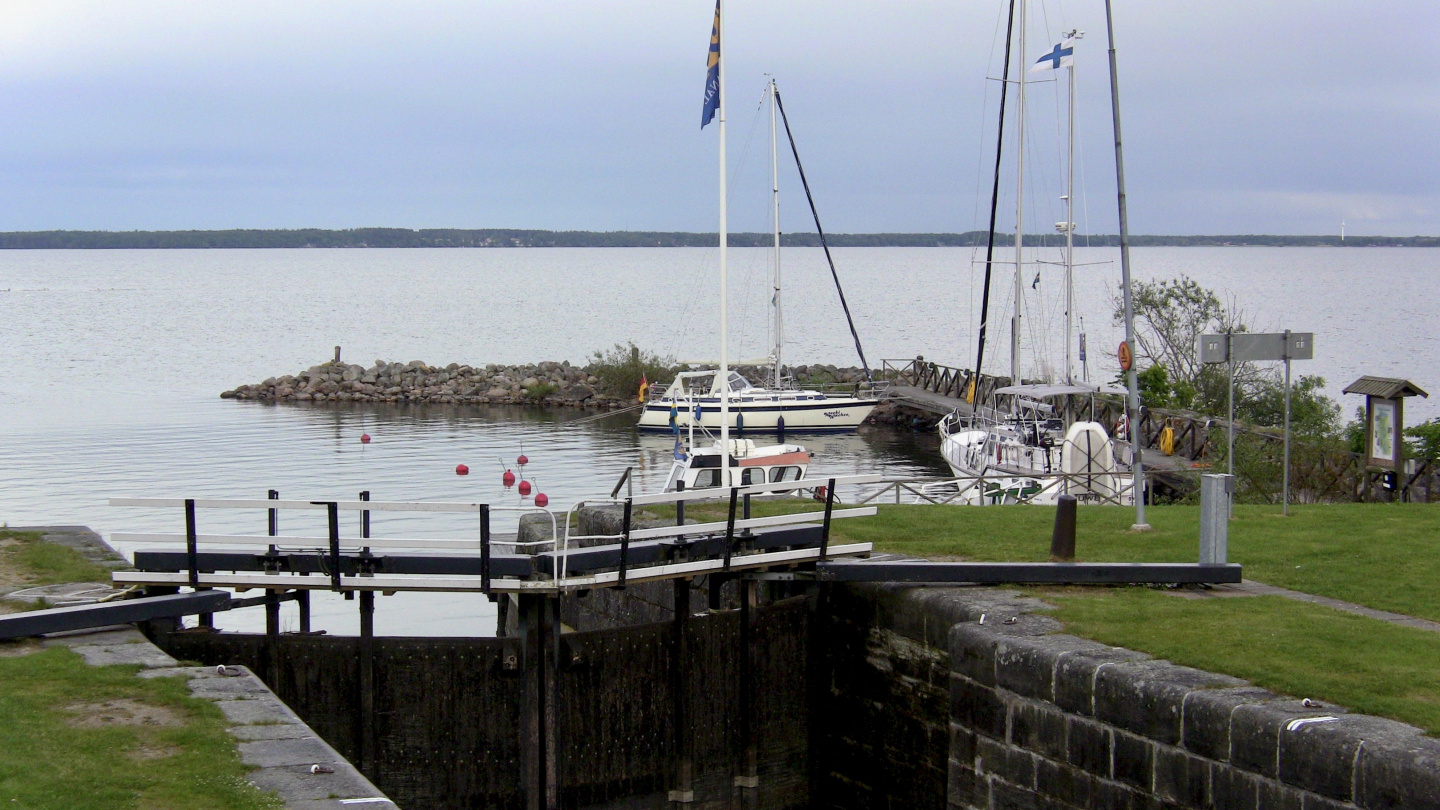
x: 1239, y: 117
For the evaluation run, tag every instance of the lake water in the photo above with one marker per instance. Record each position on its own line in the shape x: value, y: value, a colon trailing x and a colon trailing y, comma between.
x: 114, y: 361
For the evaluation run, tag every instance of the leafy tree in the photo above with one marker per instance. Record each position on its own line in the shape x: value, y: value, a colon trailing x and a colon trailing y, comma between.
x: 1427, y: 439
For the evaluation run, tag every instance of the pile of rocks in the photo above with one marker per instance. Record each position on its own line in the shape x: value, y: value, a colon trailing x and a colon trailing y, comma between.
x: 536, y: 383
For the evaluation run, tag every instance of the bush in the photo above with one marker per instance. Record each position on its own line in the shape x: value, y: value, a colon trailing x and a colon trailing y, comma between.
x: 540, y: 391
x: 620, y: 369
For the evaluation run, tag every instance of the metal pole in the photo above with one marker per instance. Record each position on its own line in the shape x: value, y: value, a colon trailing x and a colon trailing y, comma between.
x: 1285, y: 476
x: 1230, y: 427
x: 779, y: 341
x: 1019, y: 205
x: 1133, y: 399
x: 723, y: 375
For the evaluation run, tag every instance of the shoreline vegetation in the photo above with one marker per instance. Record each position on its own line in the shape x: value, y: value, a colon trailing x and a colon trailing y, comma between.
x: 515, y: 238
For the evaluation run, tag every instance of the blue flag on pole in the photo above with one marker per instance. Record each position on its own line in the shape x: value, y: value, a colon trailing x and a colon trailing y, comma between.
x: 1061, y: 56
x: 712, y: 77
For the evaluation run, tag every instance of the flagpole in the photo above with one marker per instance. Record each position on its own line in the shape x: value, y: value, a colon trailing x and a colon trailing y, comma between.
x: 724, y: 373
x: 1132, y: 415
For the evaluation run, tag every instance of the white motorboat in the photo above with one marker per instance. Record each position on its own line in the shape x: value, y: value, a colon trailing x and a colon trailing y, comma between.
x: 694, y: 398
x: 749, y: 464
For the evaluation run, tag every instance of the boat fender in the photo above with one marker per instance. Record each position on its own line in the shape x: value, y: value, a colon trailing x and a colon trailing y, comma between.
x: 1122, y: 426
x: 739, y: 422
x: 820, y: 493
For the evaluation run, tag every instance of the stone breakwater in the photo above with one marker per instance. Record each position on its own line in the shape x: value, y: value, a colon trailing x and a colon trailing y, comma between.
x: 536, y: 383
x: 543, y: 384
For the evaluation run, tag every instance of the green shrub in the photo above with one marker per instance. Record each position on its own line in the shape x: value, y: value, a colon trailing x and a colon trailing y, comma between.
x: 620, y: 369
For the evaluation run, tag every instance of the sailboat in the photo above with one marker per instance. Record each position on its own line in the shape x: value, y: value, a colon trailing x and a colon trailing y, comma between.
x: 729, y: 462
x: 1033, y: 450
x: 694, y: 397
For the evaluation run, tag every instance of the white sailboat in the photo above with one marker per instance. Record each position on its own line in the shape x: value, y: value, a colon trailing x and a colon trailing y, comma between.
x: 727, y: 462
x: 1021, y: 447
x: 694, y: 397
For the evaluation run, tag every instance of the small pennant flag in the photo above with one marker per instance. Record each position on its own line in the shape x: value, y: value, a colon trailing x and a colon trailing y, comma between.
x: 1062, y: 56
x: 644, y: 389
x: 712, y: 76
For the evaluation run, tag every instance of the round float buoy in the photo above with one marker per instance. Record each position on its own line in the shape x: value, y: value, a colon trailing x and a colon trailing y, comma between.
x: 508, y: 479
x: 524, y: 488
x: 461, y: 469
x: 522, y: 460
x: 541, y: 499
x: 364, y: 438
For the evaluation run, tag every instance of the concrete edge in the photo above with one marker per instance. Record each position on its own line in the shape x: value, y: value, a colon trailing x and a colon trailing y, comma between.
x: 288, y: 757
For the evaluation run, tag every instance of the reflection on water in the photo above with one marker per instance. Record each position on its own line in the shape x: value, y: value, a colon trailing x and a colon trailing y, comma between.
x: 243, y: 449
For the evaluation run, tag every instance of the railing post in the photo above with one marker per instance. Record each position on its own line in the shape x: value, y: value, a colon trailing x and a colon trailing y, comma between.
x: 334, y: 513
x: 825, y: 529
x: 485, y: 548
x: 680, y: 505
x: 730, y: 528
x: 191, y: 552
x: 625, y: 541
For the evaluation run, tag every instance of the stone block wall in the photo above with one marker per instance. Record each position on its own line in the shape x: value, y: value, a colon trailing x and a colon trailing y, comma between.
x: 1039, y: 719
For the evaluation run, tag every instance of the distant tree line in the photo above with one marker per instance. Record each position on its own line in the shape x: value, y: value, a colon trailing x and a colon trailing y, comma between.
x: 502, y: 237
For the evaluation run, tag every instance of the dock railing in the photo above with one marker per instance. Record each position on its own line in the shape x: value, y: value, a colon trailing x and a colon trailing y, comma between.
x: 349, y: 562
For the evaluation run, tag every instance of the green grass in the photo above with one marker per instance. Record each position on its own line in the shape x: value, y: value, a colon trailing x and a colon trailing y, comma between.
x: 40, y: 563
x: 1384, y: 556
x: 46, y: 762
x: 1289, y: 647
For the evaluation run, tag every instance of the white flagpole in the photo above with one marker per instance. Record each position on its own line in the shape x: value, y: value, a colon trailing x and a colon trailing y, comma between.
x: 723, y: 376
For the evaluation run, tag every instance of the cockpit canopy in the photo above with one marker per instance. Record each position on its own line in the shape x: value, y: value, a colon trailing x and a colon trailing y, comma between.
x: 695, y: 384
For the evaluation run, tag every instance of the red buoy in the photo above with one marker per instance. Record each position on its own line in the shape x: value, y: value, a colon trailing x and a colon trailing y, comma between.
x: 364, y: 438
x: 508, y: 479
x: 541, y: 499
x: 461, y: 469
x: 522, y: 460
x: 524, y: 488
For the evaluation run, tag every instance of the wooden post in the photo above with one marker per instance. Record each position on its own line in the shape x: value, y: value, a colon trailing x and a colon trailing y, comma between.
x: 749, y: 776
x: 683, y: 791
x: 367, y: 682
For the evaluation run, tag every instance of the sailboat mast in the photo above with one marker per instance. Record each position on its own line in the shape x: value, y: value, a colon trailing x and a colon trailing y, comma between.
x: 724, y: 373
x: 1070, y: 230
x: 1019, y: 206
x: 775, y: 221
x: 1132, y: 413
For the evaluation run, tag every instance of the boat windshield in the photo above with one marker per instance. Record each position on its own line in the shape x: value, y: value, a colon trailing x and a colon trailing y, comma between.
x: 702, y: 383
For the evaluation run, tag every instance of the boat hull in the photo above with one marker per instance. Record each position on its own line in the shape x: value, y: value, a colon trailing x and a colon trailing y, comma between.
x: 810, y: 415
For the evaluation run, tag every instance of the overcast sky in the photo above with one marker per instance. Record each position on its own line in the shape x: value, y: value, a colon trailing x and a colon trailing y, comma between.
x: 1240, y: 117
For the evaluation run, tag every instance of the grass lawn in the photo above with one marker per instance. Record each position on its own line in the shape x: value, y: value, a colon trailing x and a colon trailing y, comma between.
x: 1293, y: 648
x: 80, y: 737
x: 1384, y: 556
x: 26, y: 560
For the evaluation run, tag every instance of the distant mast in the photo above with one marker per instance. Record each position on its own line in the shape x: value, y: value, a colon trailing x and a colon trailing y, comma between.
x: 1342, y: 230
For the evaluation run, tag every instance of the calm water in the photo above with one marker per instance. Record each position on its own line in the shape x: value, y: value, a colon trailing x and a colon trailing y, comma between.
x: 114, y: 360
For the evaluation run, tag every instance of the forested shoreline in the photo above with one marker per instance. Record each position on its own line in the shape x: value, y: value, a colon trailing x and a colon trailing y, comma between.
x: 511, y: 238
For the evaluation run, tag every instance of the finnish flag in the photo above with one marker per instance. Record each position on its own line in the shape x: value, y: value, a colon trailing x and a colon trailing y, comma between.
x: 1062, y: 56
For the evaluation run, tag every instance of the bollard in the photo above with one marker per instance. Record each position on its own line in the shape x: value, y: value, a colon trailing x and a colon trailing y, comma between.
x: 1216, y: 492
x: 1062, y: 541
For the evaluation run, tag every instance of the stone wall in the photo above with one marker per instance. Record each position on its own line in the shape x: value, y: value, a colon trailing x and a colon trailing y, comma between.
x: 1015, y: 714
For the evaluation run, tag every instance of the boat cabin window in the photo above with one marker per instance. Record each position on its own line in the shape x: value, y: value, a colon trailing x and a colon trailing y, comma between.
x: 752, y: 475
x: 707, y: 478
x: 784, y: 474
x: 738, y: 383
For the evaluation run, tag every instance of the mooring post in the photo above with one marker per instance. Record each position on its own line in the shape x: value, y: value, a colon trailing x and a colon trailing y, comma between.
x: 749, y: 776
x: 367, y: 682
x: 1062, y: 539
x: 683, y: 791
